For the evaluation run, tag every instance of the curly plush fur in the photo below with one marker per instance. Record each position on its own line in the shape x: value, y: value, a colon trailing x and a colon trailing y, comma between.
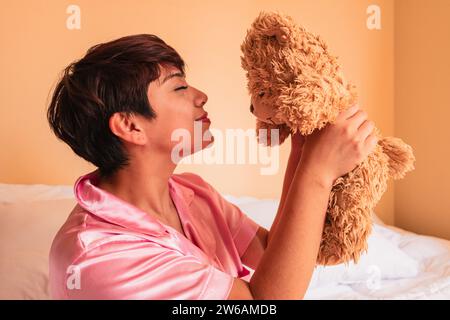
x: 296, y: 85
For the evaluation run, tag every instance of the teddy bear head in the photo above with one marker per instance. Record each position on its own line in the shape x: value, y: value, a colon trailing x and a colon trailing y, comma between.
x: 293, y: 80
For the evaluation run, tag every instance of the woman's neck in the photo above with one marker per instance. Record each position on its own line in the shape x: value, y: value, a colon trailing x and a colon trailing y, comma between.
x: 143, y: 184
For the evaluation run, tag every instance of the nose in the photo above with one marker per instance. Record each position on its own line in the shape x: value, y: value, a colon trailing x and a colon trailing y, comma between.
x: 251, y: 108
x: 200, y: 98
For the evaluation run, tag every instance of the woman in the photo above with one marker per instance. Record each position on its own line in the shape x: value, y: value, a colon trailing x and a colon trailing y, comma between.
x: 139, y: 231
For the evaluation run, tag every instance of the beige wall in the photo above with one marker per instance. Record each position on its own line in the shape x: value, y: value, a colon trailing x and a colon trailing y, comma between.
x: 422, y: 112
x: 36, y: 45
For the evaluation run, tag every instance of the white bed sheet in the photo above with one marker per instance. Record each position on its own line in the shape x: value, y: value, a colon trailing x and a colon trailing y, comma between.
x: 431, y: 282
x: 431, y: 254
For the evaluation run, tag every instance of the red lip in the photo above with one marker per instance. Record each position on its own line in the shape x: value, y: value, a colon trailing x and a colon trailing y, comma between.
x: 203, y: 116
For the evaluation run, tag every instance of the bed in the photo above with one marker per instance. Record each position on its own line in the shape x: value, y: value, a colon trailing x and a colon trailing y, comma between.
x: 398, y: 265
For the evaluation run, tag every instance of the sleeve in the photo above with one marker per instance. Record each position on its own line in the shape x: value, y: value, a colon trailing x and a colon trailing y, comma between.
x: 242, y: 227
x: 143, y: 270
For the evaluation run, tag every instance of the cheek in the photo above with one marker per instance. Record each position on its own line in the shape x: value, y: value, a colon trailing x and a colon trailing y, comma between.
x: 175, y: 129
x: 161, y: 131
x: 172, y: 120
x: 189, y: 139
x: 182, y: 130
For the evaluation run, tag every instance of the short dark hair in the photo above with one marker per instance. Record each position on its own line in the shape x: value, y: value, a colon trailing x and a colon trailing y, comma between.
x: 112, y: 77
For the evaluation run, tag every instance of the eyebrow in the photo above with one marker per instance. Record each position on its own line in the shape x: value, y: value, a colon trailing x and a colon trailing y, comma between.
x: 173, y: 75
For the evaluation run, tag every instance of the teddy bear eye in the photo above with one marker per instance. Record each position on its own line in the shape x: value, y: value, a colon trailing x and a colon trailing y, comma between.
x: 261, y: 93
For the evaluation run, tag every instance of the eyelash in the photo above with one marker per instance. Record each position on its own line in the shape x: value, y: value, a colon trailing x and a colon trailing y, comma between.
x: 180, y: 88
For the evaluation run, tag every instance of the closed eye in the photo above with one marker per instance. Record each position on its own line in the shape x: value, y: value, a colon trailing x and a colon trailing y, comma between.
x: 181, y: 88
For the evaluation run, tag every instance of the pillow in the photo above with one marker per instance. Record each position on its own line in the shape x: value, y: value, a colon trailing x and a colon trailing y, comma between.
x: 33, y: 192
x: 417, y: 246
x: 27, y: 230
x: 384, y: 259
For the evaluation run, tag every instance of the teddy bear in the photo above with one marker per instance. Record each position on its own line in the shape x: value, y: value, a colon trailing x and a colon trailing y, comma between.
x: 296, y: 85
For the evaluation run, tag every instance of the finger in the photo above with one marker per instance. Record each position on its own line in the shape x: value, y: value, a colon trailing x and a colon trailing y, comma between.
x: 365, y: 130
x: 357, y: 119
x: 370, y: 143
x: 345, y: 114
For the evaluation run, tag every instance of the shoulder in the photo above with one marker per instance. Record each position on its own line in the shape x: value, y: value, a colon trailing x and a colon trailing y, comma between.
x: 83, y: 232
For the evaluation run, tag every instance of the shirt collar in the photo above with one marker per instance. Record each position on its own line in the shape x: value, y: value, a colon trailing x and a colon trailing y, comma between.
x: 114, y: 210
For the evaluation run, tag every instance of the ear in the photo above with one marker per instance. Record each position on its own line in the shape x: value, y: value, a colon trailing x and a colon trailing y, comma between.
x: 128, y: 127
x: 276, y: 27
x: 266, y: 50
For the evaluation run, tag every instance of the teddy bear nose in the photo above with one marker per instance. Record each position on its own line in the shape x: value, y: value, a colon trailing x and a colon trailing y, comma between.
x: 251, y: 108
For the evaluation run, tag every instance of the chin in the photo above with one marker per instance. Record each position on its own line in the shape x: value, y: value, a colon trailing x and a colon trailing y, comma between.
x: 208, y: 144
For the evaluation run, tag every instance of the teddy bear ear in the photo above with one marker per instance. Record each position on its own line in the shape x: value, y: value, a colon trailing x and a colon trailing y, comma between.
x: 280, y: 35
x: 275, y: 26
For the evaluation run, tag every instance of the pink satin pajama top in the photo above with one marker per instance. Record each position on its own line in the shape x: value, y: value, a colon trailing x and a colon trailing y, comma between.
x: 109, y: 249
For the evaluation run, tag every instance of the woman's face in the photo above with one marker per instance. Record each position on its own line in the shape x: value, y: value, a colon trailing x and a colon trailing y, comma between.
x: 177, y: 106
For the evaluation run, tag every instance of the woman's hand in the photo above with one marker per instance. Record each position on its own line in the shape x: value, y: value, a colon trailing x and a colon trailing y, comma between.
x: 338, y: 148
